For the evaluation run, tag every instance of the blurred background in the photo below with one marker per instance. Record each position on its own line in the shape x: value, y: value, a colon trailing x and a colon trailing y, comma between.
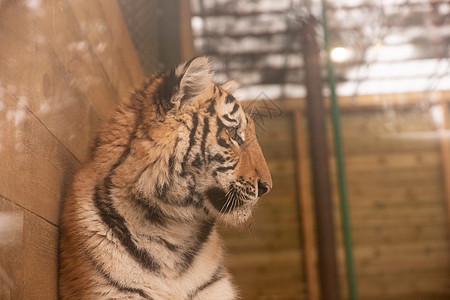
x: 350, y: 99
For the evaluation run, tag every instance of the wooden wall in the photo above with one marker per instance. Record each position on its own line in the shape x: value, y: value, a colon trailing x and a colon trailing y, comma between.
x: 63, y: 66
x: 397, y: 197
x: 398, y: 211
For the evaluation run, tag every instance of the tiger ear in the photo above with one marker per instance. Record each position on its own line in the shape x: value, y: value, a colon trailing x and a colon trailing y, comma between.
x: 195, y: 77
x: 230, y: 86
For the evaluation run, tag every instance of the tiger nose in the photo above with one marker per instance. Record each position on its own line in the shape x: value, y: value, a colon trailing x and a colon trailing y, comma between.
x: 263, y: 188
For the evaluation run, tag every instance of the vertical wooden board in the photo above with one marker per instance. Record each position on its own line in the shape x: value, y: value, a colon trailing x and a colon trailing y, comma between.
x: 114, y: 19
x: 35, y: 167
x: 186, y: 37
x: 305, y: 200
x: 28, y: 260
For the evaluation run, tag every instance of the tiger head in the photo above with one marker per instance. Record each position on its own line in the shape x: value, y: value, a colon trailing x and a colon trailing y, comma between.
x: 218, y: 158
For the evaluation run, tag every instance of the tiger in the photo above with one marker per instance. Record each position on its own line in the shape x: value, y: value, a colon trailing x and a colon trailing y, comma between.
x: 177, y: 156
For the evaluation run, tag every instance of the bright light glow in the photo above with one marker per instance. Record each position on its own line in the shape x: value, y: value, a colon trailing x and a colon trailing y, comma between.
x: 197, y: 24
x: 339, y: 54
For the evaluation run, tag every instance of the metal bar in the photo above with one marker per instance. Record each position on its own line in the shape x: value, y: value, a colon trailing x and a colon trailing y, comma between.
x: 340, y: 167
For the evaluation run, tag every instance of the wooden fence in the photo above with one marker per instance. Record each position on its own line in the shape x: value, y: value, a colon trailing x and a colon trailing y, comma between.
x: 63, y: 66
x: 397, y: 196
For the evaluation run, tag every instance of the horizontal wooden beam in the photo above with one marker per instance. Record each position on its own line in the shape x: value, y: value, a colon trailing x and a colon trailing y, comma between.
x: 367, y: 102
x: 230, y: 10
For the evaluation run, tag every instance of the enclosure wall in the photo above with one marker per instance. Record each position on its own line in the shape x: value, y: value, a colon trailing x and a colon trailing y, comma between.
x: 397, y: 200
x: 64, y: 64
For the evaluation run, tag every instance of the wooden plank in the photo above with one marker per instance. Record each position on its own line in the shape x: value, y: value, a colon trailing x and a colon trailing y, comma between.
x: 11, y: 251
x: 422, y: 233
x: 106, y: 30
x: 269, y: 282
x: 385, y: 161
x: 360, y: 103
x: 95, y: 27
x: 413, y: 285
x: 411, y: 192
x: 396, y: 177
x: 114, y: 18
x: 265, y: 258
x: 33, y: 76
x: 444, y: 143
x: 35, y: 167
x: 41, y: 258
x: 186, y: 38
x: 273, y: 240
x: 28, y: 254
x: 65, y: 37
x: 306, y: 210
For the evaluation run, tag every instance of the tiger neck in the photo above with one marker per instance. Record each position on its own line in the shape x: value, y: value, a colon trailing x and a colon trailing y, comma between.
x: 178, y: 218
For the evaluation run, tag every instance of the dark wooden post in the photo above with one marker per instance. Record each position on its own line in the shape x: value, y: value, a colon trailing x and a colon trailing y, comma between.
x: 316, y: 113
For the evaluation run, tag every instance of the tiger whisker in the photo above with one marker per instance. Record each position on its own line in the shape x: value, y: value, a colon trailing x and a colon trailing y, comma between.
x: 229, y: 202
x: 226, y: 204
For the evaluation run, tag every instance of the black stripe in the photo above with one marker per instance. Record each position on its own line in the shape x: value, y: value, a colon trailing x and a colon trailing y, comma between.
x: 197, y: 162
x: 222, y: 143
x: 164, y: 92
x: 235, y: 109
x: 109, y: 214
x: 229, y: 99
x: 194, y: 197
x: 205, y: 135
x: 211, y: 107
x: 218, y: 157
x: 226, y: 117
x: 171, y: 164
x: 191, y: 143
x: 122, y: 288
x: 165, y: 243
x: 161, y: 190
x: 218, y: 274
x: 224, y: 169
x: 201, y: 237
x: 111, y: 217
x: 218, y: 198
x: 152, y: 213
x: 220, y: 126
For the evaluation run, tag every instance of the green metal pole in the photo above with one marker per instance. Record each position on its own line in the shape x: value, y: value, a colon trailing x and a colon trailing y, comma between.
x: 352, y: 288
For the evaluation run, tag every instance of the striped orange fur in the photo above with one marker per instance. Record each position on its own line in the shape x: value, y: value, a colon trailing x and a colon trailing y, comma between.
x: 139, y: 219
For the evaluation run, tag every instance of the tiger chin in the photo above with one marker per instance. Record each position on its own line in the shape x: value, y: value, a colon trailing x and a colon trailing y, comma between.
x: 138, y: 222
